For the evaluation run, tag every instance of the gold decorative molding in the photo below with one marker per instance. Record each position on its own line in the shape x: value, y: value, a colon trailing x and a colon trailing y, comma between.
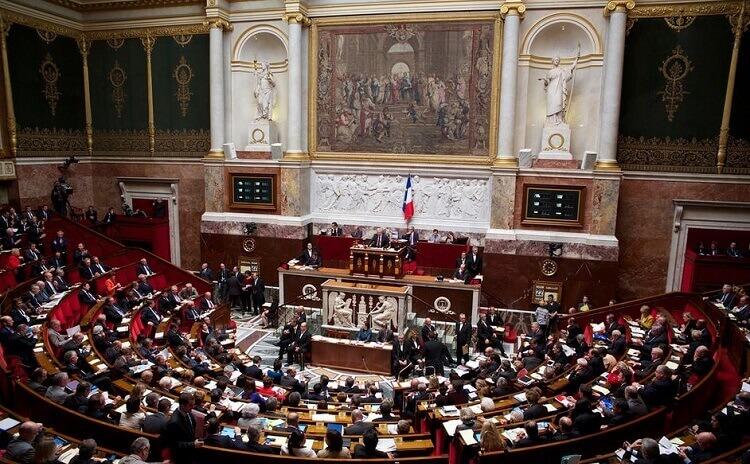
x: 39, y: 142
x: 9, y: 111
x: 183, y: 39
x: 197, y: 141
x: 512, y: 8
x: 220, y: 23
x: 679, y: 22
x: 667, y: 154
x: 148, y: 46
x: 738, y: 29
x: 675, y: 69
x: 620, y: 6
x: 47, y: 36
x: 183, y: 74
x: 156, y: 31
x: 607, y: 166
x: 117, y: 77
x: 84, y: 46
x: 50, y: 75
x: 121, y: 140
x: 115, y: 43
x: 702, y: 8
x: 38, y: 24
x: 121, y: 5
x: 297, y: 18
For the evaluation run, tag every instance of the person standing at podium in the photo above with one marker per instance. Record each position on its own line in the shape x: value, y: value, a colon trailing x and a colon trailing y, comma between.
x: 411, y: 237
x: 380, y: 239
x: 334, y: 230
x: 309, y: 257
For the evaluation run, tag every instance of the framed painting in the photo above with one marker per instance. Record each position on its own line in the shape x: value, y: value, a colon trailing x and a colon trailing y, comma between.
x: 405, y: 87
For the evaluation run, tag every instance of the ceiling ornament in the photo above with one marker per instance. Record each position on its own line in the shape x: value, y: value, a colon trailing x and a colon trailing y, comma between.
x: 115, y: 43
x: 183, y: 39
x: 675, y: 69
x: 401, y: 32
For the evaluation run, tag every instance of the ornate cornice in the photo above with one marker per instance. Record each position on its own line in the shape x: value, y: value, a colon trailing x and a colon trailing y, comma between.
x: 703, y: 8
x: 220, y: 23
x: 121, y: 5
x: 10, y: 17
x: 512, y: 8
x: 618, y: 5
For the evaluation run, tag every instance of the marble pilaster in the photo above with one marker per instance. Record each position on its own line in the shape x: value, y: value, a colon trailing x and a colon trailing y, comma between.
x: 216, y: 86
x: 512, y: 13
x: 612, y: 84
x: 215, y: 181
x: 503, y: 200
x: 605, y: 195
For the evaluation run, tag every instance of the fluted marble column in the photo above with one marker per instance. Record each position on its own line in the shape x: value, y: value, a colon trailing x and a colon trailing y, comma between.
x: 216, y: 85
x: 512, y: 13
x: 294, y: 100
x: 612, y: 85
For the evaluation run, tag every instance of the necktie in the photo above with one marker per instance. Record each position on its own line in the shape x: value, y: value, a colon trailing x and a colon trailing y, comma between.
x: 101, y: 269
x: 90, y: 271
x: 379, y: 239
x: 210, y: 304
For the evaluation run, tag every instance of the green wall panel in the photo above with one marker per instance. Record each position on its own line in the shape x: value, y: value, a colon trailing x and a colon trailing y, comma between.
x: 26, y: 53
x: 190, y: 60
x: 112, y: 111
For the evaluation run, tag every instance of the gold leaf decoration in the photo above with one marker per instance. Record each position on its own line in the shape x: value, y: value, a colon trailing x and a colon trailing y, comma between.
x: 47, y: 36
x: 183, y: 39
x: 183, y: 74
x: 117, y: 78
x: 50, y: 75
x: 675, y: 69
x: 679, y: 22
x: 115, y: 43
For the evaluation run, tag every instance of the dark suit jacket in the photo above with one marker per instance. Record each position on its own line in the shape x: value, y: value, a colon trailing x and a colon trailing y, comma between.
x: 20, y: 451
x: 463, y: 336
x: 435, y: 354
x: 223, y: 441
x: 303, y: 341
x: 142, y: 270
x: 144, y: 288
x: 112, y: 315
x: 426, y: 330
x: 154, y: 423
x: 148, y: 316
x: 19, y: 316
x: 309, y: 259
x: 258, y: 290
x: 359, y: 428
x: 234, y: 286
x: 474, y: 265
x: 658, y: 393
x: 384, y: 240
x: 60, y: 245
x: 87, y: 298
x: 179, y: 435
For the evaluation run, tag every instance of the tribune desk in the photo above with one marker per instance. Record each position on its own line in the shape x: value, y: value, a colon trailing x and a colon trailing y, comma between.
x: 374, y: 358
x: 382, y: 262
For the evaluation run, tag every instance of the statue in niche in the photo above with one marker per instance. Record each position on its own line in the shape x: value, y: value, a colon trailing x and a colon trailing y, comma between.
x: 557, y: 90
x: 342, y: 311
x: 264, y: 90
x: 383, y: 313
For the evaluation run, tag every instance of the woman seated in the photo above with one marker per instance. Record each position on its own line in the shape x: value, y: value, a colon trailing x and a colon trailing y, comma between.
x: 295, y: 446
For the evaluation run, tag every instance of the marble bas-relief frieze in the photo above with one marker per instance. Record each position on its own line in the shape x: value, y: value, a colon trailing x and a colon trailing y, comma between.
x: 380, y: 195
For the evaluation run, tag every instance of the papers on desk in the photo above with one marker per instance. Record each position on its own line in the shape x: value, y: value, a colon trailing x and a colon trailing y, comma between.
x: 468, y: 437
x: 568, y: 350
x: 600, y: 327
x: 73, y: 330
x: 620, y: 453
x: 449, y: 411
x: 392, y: 429
x: 521, y: 397
x: 745, y: 387
x: 667, y: 447
x: 474, y: 364
x: 274, y: 440
x: 633, y: 352
x: 672, y: 365
x: 324, y: 417
x: 514, y: 434
x: 8, y: 423
x: 450, y: 426
x: 476, y: 408
x: 550, y: 407
x: 599, y: 389
x: 386, y: 445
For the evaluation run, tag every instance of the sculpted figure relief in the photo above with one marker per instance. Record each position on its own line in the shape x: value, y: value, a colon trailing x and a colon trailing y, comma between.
x: 264, y: 90
x: 384, y: 313
x: 342, y: 311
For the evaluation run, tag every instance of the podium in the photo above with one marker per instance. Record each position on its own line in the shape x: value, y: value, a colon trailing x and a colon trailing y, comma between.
x: 383, y: 263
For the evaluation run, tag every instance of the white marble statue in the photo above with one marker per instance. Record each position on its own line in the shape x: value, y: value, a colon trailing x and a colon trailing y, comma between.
x: 557, y: 90
x: 264, y: 91
x: 342, y: 311
x: 383, y: 313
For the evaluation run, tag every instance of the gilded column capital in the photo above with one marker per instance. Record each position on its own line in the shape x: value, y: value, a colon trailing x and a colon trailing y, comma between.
x: 297, y: 18
x: 513, y: 9
x: 84, y: 45
x: 148, y: 44
x: 219, y: 23
x: 619, y: 6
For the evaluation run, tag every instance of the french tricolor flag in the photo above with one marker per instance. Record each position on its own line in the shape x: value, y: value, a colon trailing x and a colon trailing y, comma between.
x: 408, y: 200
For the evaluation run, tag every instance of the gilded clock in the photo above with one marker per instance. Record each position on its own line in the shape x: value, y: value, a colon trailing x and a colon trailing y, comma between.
x: 549, y: 267
x: 248, y: 245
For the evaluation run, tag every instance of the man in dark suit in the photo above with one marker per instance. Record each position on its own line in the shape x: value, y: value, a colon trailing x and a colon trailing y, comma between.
x: 612, y: 325
x: 19, y: 313
x: 258, y: 293
x: 99, y: 267
x: 60, y: 244
x: 428, y: 330
x: 86, y: 296
x: 400, y: 356
x: 727, y: 296
x: 86, y: 270
x: 287, y: 337
x: 155, y: 423
x: 57, y: 260
x: 552, y: 305
x: 380, y: 239
x: 462, y: 274
x: 485, y: 333
x: 661, y: 390
x: 179, y: 433
x: 411, y: 237
x: 359, y: 426
x: 43, y: 213
x: 474, y: 262
x: 21, y: 448
x: 617, y: 345
x: 215, y: 438
x: 221, y: 279
x: 114, y: 313
x: 109, y: 217
x: 234, y: 290
x: 463, y: 338
x: 31, y: 254
x: 334, y: 230
x: 309, y: 257
x: 144, y: 288
x: 205, y: 303
x: 206, y: 272
x: 436, y: 354
x: 151, y: 315
x: 301, y: 344
x: 144, y: 268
